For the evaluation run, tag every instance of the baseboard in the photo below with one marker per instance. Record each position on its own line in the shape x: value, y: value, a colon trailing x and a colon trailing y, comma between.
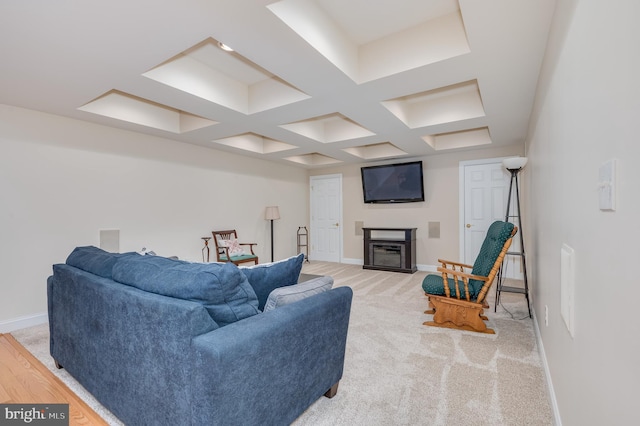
x: 23, y: 322
x: 352, y: 261
x: 545, y: 366
x: 427, y: 268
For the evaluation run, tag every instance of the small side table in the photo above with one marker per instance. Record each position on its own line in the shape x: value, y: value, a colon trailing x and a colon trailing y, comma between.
x: 205, y: 249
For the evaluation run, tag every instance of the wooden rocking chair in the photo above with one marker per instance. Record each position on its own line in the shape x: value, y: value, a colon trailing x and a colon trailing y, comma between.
x: 457, y: 298
x: 225, y: 241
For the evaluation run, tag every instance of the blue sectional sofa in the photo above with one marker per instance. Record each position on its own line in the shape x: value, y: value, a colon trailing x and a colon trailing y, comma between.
x: 166, y: 342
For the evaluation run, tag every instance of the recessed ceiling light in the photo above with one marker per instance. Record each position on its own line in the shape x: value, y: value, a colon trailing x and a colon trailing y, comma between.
x: 224, y: 47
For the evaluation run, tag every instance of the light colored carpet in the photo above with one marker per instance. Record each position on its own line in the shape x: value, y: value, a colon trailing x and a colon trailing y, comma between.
x: 400, y: 372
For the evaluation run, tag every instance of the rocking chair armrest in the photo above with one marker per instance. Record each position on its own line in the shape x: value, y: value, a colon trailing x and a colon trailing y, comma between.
x: 449, y: 262
x: 456, y: 278
x: 462, y: 274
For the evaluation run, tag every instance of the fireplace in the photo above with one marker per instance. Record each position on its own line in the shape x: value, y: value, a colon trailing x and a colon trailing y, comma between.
x: 390, y: 249
x: 389, y: 255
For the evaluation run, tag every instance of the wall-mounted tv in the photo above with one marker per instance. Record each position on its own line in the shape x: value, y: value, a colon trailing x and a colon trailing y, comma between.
x: 393, y: 183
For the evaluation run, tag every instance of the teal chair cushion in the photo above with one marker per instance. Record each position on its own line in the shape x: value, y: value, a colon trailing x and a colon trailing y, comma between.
x: 223, y: 257
x: 433, y: 284
x: 497, y: 235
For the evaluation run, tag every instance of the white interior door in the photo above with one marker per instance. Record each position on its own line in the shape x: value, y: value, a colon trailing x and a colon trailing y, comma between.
x: 486, y: 188
x: 325, y: 236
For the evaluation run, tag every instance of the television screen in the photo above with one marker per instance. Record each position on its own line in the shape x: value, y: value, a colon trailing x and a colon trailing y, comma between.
x: 393, y: 183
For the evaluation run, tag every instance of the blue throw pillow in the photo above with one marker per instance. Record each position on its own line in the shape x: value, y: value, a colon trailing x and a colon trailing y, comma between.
x: 220, y: 287
x: 266, y: 277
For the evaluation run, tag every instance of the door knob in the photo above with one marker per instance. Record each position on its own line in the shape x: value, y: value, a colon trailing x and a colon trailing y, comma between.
x: 468, y: 225
x: 336, y: 224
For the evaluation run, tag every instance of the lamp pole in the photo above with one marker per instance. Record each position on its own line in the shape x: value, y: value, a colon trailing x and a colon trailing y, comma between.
x: 514, y: 166
x: 272, y: 213
x: 271, y: 240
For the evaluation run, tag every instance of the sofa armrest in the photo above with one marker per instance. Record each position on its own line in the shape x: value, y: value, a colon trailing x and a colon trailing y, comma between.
x: 244, y: 371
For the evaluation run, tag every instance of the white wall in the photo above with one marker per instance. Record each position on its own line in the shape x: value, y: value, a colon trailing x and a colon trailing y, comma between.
x: 63, y: 180
x: 441, y: 180
x: 587, y: 112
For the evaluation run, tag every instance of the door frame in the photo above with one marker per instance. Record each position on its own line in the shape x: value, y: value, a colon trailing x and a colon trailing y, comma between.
x: 341, y: 201
x: 461, y: 194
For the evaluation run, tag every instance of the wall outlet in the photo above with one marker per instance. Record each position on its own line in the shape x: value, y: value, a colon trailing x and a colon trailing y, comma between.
x: 546, y: 315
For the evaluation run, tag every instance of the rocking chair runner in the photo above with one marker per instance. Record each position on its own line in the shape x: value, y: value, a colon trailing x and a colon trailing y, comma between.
x: 224, y: 241
x: 457, y: 298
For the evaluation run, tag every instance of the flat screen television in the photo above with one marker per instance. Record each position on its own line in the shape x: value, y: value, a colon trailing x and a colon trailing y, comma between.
x: 393, y: 183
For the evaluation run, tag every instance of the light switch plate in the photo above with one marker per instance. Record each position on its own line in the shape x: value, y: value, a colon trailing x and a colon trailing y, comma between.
x: 607, y: 186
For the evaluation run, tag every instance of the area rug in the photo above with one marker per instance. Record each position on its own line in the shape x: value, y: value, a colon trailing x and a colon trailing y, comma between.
x: 400, y: 372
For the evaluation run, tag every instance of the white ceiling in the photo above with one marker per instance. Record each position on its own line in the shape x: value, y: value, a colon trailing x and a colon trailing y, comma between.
x: 311, y: 82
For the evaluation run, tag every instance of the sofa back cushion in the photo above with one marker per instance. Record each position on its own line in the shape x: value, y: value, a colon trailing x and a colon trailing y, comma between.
x: 266, y: 277
x: 94, y: 260
x: 223, y: 290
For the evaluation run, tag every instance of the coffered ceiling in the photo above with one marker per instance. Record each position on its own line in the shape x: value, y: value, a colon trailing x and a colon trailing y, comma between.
x: 308, y: 82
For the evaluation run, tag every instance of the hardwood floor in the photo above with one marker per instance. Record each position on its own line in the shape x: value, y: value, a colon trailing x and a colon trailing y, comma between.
x: 23, y: 379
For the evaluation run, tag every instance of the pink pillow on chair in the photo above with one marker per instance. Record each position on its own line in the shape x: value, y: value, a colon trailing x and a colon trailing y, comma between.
x: 233, y: 246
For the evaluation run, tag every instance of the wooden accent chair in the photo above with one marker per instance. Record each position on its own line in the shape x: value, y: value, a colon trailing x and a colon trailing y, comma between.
x: 457, y: 298
x: 226, y: 242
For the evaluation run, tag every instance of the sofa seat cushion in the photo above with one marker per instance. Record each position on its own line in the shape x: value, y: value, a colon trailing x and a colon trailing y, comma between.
x: 94, y: 260
x: 223, y: 290
x: 289, y: 294
x: 266, y: 277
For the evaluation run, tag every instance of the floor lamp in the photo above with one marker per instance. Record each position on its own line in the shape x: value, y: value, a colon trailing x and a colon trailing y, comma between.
x: 272, y: 213
x: 514, y: 165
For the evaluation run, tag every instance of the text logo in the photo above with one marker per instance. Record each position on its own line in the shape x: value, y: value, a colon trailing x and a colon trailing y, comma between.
x: 34, y: 414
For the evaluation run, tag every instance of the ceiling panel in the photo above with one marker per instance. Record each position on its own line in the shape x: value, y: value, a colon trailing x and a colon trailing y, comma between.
x: 309, y: 82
